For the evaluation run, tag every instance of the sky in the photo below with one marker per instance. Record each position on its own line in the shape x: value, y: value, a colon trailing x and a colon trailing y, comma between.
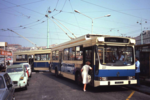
x: 27, y: 18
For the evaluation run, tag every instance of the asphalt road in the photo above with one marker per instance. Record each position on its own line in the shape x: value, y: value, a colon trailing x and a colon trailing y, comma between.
x: 45, y: 86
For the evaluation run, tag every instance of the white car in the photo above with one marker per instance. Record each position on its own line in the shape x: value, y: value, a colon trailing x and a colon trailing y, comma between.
x: 27, y: 65
x: 18, y: 75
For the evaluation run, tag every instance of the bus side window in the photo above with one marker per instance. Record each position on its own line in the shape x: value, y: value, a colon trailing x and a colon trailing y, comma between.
x: 79, y: 53
x: 100, y: 53
x: 66, y: 54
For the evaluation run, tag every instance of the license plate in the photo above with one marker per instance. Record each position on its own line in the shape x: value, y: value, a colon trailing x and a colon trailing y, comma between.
x: 118, y: 82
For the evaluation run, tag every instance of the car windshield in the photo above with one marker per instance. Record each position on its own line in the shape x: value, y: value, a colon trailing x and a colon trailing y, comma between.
x: 17, y: 69
x: 27, y: 66
x: 2, y: 85
x: 116, y: 55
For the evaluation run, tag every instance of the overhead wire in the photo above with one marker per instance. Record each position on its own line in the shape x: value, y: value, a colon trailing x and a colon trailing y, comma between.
x: 60, y: 10
x: 75, y: 16
x: 64, y: 5
x: 56, y: 5
x: 17, y: 11
x: 25, y: 8
x: 22, y: 4
x: 28, y: 23
x: 9, y: 13
x: 32, y: 37
x: 117, y: 10
x: 113, y: 10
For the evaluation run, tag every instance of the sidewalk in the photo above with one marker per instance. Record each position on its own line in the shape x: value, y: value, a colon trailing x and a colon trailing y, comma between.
x: 144, y: 88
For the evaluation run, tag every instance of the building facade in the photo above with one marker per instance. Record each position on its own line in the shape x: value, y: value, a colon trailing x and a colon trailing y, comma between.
x: 146, y: 38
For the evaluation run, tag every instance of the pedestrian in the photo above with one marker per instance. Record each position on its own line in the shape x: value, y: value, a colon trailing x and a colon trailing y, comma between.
x: 121, y: 56
x: 8, y: 63
x: 84, y: 71
x: 137, y: 73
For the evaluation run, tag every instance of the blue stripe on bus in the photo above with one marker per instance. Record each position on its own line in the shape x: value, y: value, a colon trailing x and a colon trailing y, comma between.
x: 41, y: 64
x: 110, y: 73
x: 55, y: 64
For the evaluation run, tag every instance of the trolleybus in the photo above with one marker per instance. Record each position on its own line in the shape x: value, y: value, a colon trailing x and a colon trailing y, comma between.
x: 112, y: 59
x: 39, y: 60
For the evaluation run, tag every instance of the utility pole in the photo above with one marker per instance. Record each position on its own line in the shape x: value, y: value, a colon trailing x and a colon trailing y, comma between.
x: 48, y: 11
x: 59, y: 27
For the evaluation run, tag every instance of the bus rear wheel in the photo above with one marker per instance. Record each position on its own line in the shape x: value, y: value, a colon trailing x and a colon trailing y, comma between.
x: 50, y: 69
x: 56, y: 72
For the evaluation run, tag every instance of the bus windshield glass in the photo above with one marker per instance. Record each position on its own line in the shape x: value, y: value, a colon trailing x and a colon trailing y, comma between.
x: 116, y: 55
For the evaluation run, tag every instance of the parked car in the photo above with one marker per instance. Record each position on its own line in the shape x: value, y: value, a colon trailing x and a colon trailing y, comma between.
x: 18, y: 75
x: 27, y: 65
x: 6, y: 87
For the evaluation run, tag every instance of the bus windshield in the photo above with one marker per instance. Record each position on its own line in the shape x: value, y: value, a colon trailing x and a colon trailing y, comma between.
x: 116, y: 55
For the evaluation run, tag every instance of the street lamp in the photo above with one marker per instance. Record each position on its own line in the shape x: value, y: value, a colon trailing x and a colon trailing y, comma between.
x: 92, y: 18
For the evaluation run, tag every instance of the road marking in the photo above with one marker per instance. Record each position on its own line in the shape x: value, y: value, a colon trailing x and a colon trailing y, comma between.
x: 130, y: 95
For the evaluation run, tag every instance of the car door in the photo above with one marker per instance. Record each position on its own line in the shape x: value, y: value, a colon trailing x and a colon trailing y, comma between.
x: 9, y: 90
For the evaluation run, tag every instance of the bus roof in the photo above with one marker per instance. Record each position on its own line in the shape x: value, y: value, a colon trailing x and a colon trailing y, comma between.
x: 33, y: 52
x: 85, y: 39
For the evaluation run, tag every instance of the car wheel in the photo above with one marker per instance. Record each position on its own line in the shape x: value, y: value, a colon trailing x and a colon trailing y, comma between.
x: 78, y: 79
x: 31, y: 75
x: 13, y: 98
x: 25, y: 88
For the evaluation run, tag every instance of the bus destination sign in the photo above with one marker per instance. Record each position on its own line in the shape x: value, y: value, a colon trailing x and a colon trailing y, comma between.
x: 121, y: 40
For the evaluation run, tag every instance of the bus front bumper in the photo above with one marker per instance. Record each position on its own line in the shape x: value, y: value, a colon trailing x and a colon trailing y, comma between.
x: 114, y: 82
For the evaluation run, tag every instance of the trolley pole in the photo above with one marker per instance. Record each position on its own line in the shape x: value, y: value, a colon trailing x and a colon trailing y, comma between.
x: 141, y: 33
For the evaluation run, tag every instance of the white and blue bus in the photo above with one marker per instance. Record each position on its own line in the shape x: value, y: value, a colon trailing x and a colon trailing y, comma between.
x: 112, y: 59
x: 39, y: 60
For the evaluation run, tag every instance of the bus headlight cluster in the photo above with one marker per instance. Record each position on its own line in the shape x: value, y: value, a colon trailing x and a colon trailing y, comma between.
x: 131, y: 77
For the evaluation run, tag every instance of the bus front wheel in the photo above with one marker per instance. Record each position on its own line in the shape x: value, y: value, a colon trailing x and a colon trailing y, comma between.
x: 56, y: 72
x: 78, y: 79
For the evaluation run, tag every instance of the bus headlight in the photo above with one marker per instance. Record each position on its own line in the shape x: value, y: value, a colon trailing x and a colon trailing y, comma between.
x: 131, y: 77
x: 104, y: 78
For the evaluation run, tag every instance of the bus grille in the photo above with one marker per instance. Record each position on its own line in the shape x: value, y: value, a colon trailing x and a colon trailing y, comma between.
x: 118, y: 78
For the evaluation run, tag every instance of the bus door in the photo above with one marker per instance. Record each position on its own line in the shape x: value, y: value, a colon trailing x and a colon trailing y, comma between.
x: 30, y: 61
x: 99, y: 58
x: 60, y: 60
x: 88, y: 55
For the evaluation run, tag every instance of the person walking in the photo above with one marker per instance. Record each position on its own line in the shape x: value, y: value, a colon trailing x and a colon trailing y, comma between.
x: 137, y: 73
x: 84, y: 71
